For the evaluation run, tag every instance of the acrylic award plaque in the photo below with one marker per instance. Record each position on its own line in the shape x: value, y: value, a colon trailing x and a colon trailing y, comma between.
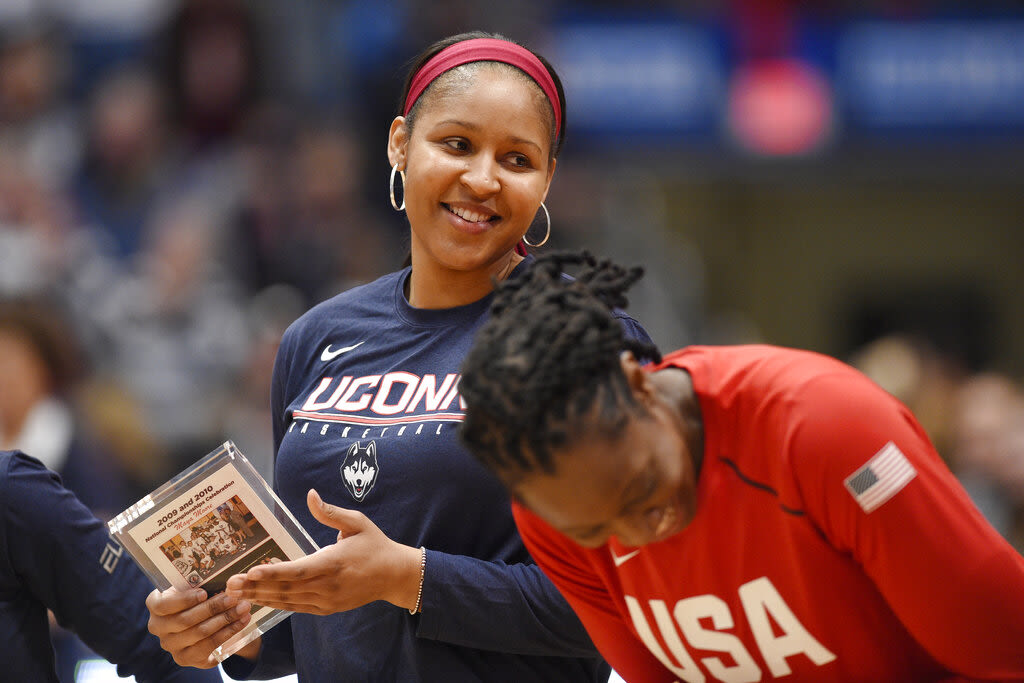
x: 216, y: 519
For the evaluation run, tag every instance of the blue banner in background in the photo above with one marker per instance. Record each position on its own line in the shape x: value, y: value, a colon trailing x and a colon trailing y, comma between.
x: 641, y: 77
x: 666, y: 80
x: 934, y: 74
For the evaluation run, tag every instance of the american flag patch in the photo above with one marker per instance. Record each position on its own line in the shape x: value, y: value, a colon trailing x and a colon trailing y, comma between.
x: 880, y: 478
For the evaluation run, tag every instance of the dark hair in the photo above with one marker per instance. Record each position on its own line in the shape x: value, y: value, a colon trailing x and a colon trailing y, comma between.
x: 425, y: 56
x: 545, y: 360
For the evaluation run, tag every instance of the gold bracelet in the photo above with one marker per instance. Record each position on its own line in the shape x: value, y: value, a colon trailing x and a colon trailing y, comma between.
x: 423, y: 571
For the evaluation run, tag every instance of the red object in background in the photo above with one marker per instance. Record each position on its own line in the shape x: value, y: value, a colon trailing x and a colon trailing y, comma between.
x: 780, y: 107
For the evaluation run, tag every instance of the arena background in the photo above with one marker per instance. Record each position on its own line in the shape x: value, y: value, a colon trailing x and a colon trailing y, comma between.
x: 180, y: 179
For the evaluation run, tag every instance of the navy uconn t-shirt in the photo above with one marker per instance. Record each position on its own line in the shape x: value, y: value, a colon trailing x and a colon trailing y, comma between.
x: 366, y: 410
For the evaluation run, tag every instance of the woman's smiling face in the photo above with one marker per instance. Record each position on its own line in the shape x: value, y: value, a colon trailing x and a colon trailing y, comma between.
x: 477, y: 163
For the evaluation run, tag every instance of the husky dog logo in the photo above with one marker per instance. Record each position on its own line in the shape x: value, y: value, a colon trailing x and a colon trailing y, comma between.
x: 359, y: 471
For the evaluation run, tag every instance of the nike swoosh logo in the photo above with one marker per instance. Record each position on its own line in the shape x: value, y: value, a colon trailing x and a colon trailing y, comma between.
x: 622, y: 559
x: 331, y: 355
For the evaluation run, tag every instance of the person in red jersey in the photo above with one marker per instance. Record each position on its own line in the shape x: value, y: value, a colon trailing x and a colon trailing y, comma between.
x: 734, y: 513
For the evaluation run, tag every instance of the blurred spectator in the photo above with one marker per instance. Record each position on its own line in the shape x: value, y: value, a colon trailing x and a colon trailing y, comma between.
x: 34, y: 222
x: 211, y: 61
x: 176, y: 330
x: 925, y: 380
x: 127, y: 164
x: 43, y: 255
x: 309, y: 227
x: 105, y: 35
x: 262, y: 217
x: 36, y: 123
x: 330, y: 210
x: 39, y: 145
x: 209, y: 56
x: 988, y: 449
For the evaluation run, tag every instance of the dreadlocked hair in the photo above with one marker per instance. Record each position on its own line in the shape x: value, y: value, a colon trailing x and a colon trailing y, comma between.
x: 547, y: 361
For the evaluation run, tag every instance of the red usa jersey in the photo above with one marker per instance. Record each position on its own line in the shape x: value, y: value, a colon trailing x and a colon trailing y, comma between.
x: 830, y: 544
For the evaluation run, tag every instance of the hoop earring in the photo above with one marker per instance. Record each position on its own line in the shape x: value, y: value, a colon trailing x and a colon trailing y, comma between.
x: 394, y: 170
x: 547, y: 234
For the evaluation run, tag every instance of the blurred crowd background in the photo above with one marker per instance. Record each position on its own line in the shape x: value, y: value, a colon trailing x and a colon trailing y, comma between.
x: 180, y: 179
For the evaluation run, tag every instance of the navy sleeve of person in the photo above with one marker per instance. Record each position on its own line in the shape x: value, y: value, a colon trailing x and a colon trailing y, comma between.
x: 366, y: 410
x: 55, y: 554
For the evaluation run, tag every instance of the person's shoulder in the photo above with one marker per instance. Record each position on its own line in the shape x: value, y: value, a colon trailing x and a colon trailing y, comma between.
x: 371, y: 298
x: 770, y: 384
x: 384, y: 287
x: 802, y: 387
x: 773, y: 364
x: 26, y: 483
x: 17, y: 463
x: 630, y: 325
x: 754, y: 353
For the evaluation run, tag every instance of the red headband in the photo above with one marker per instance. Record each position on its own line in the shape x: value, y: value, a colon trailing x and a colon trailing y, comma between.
x: 485, y: 50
